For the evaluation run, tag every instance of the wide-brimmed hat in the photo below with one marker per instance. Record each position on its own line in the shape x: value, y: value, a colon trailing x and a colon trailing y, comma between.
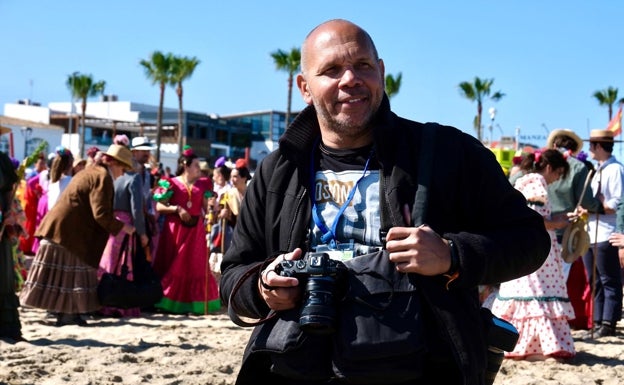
x: 4, y: 130
x: 204, y: 166
x: 120, y: 153
x: 601, y: 135
x: 575, y: 240
x: 142, y: 143
x: 565, y: 132
x: 78, y: 160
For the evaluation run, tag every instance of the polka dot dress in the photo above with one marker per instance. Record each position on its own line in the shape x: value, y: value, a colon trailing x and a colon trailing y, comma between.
x: 538, y: 304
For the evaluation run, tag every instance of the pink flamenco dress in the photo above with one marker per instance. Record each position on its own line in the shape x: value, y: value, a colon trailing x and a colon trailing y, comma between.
x: 181, y: 259
x: 538, y: 304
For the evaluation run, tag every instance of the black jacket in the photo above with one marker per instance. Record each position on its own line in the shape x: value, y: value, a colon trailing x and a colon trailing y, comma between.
x: 498, y: 237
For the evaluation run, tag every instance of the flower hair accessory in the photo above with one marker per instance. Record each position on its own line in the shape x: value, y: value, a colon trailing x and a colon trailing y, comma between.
x: 121, y: 140
x: 92, y: 151
x: 582, y: 156
x: 62, y: 151
x: 187, y: 151
x: 538, y: 156
x: 163, y: 192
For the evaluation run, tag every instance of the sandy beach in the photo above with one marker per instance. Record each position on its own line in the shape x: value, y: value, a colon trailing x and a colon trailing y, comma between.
x: 167, y: 349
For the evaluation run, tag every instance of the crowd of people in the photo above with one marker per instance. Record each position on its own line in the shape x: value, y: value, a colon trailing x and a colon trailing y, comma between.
x: 114, y: 199
x: 419, y: 219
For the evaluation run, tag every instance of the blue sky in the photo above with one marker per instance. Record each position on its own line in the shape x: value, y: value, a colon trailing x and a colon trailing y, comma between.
x: 548, y: 57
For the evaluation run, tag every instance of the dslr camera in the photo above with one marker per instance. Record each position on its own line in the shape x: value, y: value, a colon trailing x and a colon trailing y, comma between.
x: 320, y: 276
x: 501, y: 337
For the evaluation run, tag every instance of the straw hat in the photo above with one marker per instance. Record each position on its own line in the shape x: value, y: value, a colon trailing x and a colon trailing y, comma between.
x: 4, y: 130
x: 78, y: 160
x: 204, y: 166
x: 565, y: 132
x: 575, y: 240
x: 601, y: 136
x: 120, y: 153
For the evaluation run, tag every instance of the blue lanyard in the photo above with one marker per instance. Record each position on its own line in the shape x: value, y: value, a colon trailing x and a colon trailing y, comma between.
x: 329, y: 235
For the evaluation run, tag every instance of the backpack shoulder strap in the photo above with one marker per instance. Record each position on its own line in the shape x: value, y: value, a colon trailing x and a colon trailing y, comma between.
x: 425, y: 164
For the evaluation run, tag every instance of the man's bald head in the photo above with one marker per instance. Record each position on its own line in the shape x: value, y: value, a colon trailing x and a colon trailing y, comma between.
x: 326, y: 30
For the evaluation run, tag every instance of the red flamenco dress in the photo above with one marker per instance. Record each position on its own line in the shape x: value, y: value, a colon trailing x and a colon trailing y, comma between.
x: 182, y: 254
x: 32, y: 194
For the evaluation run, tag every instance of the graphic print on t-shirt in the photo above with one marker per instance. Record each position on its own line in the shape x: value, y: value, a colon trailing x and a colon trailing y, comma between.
x: 360, y: 220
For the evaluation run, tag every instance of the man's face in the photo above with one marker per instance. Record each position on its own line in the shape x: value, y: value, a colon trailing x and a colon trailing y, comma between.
x: 141, y: 156
x: 596, y: 151
x: 342, y: 78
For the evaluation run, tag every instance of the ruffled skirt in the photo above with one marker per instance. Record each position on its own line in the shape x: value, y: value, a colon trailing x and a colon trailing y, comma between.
x: 59, y: 281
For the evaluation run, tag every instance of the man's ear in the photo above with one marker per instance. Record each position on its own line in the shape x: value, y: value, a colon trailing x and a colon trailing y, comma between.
x: 302, y: 84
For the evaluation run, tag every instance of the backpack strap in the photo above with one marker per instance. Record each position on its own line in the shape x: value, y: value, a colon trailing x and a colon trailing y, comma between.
x: 425, y: 164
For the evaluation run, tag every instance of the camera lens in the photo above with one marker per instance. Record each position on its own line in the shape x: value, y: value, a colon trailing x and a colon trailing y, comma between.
x: 318, y: 312
x: 494, y: 360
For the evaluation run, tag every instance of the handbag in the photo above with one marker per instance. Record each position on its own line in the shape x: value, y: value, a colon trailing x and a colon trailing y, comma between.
x: 575, y: 241
x: 191, y: 222
x: 116, y: 290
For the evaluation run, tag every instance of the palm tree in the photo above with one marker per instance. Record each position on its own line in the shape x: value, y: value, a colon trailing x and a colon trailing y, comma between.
x: 82, y: 87
x: 479, y: 91
x: 182, y: 68
x: 158, y: 70
x: 607, y: 98
x: 393, y: 84
x: 289, y: 62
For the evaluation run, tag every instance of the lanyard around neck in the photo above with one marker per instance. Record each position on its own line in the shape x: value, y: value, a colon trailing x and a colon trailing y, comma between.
x: 329, y: 235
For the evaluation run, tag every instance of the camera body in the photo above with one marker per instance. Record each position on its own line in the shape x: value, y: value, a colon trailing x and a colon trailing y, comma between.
x: 501, y: 337
x: 319, y: 274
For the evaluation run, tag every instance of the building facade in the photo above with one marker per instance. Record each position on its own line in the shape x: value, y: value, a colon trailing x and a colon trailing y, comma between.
x: 250, y: 135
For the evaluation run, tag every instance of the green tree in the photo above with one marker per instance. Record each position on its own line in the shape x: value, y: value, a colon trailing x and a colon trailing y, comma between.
x: 82, y: 87
x: 289, y: 62
x: 607, y: 98
x: 182, y: 68
x: 158, y: 70
x: 393, y: 84
x: 479, y: 91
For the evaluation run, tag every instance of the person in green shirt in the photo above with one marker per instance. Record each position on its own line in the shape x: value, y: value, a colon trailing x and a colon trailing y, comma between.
x: 565, y: 195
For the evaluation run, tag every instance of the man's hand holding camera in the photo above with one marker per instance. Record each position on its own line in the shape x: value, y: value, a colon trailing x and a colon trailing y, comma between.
x: 280, y: 293
x: 412, y: 249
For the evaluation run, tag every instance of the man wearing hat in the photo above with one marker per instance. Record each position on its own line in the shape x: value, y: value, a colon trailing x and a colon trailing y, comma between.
x: 141, y: 148
x: 607, y: 185
x: 565, y: 195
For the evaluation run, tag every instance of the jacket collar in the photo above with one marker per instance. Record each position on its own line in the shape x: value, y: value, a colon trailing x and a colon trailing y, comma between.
x: 303, y: 132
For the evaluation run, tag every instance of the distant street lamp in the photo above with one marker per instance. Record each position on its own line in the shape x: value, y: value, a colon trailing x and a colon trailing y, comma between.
x: 492, y: 112
x: 26, y: 133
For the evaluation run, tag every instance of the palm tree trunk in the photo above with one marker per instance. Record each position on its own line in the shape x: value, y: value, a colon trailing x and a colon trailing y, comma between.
x: 159, y: 121
x: 479, y: 114
x: 181, y: 135
x: 610, y: 112
x: 290, y: 86
x: 82, y: 127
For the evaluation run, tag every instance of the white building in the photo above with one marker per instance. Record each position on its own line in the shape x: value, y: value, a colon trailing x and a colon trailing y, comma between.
x: 250, y: 135
x: 30, y: 125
